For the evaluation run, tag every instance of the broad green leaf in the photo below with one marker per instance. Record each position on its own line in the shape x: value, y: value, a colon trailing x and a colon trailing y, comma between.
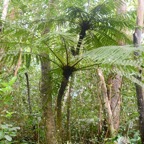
x: 8, y: 138
x: 4, y: 126
x: 1, y: 135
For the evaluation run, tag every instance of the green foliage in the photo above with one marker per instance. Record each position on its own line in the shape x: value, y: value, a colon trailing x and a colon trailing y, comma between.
x: 136, y: 138
x: 7, y: 132
x: 102, y: 24
x: 36, y: 29
x: 5, y: 91
x: 7, y: 86
x: 119, y: 59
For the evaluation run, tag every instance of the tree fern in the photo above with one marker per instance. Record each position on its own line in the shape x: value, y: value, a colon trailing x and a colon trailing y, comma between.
x: 101, y: 25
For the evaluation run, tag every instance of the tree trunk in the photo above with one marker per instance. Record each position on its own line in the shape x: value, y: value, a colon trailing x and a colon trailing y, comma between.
x: 111, y: 90
x: 46, y: 89
x: 3, y: 18
x: 62, y: 89
x: 114, y: 82
x: 114, y: 85
x: 5, y: 9
x: 28, y: 93
x: 139, y: 90
x: 69, y: 98
x: 81, y: 37
x: 106, y: 101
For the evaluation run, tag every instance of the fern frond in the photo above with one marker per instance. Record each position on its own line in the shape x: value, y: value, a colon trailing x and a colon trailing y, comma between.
x: 115, y: 55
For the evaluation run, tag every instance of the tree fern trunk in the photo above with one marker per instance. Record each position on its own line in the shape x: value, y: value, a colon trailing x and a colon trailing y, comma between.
x: 81, y: 37
x: 69, y: 98
x: 62, y: 89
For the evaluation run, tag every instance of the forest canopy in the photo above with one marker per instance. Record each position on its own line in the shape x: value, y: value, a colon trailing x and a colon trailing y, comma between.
x: 71, y: 72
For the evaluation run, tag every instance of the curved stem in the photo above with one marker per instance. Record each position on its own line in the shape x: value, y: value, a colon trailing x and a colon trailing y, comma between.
x: 51, y: 60
x: 55, y: 55
x: 28, y: 93
x: 77, y: 62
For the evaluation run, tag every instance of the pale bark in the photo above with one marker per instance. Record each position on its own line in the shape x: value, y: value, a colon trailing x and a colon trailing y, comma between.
x: 137, y: 36
x: 115, y: 99
x: 5, y: 9
x: 122, y: 6
x: 3, y: 18
x: 140, y: 13
x: 106, y: 103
